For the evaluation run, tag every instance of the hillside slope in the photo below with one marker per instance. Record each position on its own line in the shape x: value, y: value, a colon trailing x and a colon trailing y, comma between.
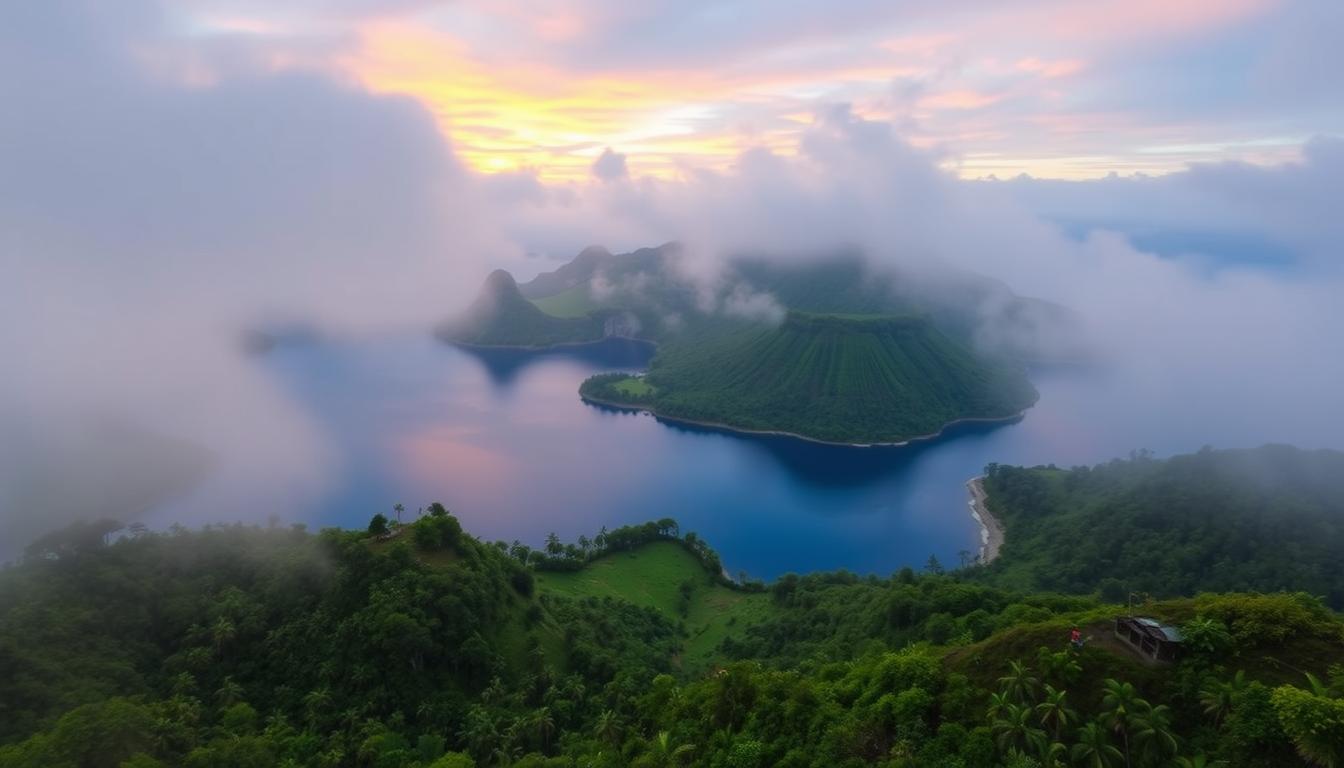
x: 501, y: 316
x: 427, y: 648
x: 1219, y: 520
x: 827, y: 377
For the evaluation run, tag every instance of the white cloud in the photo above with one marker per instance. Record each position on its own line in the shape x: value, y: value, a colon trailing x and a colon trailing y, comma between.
x: 610, y: 166
x: 146, y: 225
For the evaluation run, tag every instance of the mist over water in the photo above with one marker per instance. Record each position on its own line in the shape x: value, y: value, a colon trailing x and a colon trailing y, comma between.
x: 502, y: 438
x: 149, y: 219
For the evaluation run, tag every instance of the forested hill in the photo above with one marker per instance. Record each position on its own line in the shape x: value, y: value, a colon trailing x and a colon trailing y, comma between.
x: 861, y: 379
x: 1265, y: 519
x: 835, y: 350
x: 419, y: 646
x: 500, y: 316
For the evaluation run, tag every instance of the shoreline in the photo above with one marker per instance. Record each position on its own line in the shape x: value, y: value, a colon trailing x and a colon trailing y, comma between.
x: 544, y: 347
x: 636, y: 408
x: 991, y: 530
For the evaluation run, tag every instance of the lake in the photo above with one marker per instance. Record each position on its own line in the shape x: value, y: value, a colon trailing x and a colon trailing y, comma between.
x: 503, y: 440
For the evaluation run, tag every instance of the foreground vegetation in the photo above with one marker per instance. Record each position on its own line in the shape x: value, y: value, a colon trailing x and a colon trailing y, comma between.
x: 419, y: 645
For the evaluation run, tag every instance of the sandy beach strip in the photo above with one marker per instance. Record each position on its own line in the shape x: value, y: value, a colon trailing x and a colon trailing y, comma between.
x: 991, y: 530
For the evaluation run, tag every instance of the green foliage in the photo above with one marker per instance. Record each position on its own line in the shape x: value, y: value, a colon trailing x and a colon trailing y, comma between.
x: 1205, y: 635
x: 573, y: 302
x: 666, y: 577
x: 100, y: 735
x: 378, y: 524
x: 843, y: 379
x: 453, y: 760
x: 1216, y: 521
x: 1253, y: 727
x: 1315, y: 723
x: 857, y: 359
x: 500, y: 316
x: 436, y: 531
x: 248, y: 647
x: 1271, y: 619
x: 634, y: 387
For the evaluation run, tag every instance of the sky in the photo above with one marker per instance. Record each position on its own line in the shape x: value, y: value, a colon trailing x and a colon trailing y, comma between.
x: 1049, y: 88
x: 176, y: 175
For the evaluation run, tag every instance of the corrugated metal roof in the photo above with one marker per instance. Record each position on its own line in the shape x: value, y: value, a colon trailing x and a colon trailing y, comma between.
x: 1171, y: 633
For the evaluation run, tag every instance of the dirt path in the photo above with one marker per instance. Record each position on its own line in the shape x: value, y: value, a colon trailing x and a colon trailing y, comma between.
x: 991, y: 530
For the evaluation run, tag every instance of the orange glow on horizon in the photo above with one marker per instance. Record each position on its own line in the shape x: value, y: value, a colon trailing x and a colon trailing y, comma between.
x: 523, y: 116
x: 1005, y: 111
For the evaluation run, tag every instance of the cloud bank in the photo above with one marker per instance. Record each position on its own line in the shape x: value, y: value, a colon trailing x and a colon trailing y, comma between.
x: 146, y: 224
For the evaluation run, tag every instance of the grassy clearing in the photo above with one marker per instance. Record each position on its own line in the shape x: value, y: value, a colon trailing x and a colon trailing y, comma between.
x: 575, y: 302
x: 652, y: 576
x: 635, y: 386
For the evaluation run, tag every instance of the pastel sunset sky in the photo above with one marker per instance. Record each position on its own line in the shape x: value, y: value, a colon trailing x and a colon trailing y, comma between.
x: 1049, y: 88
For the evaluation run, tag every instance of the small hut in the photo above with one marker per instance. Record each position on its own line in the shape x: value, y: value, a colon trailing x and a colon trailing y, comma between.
x: 1149, y: 638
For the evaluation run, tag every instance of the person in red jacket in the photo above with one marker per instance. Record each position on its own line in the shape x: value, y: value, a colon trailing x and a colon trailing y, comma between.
x: 1076, y: 638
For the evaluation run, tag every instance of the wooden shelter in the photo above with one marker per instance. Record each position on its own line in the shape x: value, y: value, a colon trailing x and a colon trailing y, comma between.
x: 1149, y: 637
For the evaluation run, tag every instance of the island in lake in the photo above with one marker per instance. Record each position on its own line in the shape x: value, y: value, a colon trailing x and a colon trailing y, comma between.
x: 830, y: 349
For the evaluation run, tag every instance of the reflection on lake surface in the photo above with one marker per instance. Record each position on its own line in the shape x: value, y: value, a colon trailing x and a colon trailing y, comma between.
x: 502, y: 438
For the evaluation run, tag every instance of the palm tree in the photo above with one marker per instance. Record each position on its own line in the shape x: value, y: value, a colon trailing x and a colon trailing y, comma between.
x: 1093, y: 748
x: 608, y: 728
x: 1218, y: 698
x: 1013, y: 730
x: 276, y: 721
x: 314, y: 702
x: 223, y: 633
x: 494, y: 693
x: 1153, y: 735
x: 661, y: 753
x: 1121, y: 706
x: 350, y: 717
x: 1317, y: 687
x: 1053, y: 753
x: 503, y: 756
x: 426, y: 712
x: 229, y: 692
x: 1060, y: 667
x: 1054, y: 711
x: 543, y: 725
x: 361, y: 674
x: 1018, y: 684
x: 998, y: 702
x: 398, y: 508
x: 479, y: 732
x: 183, y: 683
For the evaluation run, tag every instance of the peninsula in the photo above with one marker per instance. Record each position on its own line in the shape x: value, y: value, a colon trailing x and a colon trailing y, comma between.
x: 831, y: 351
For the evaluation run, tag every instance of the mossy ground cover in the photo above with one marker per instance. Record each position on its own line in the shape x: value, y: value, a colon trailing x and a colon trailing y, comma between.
x: 575, y: 302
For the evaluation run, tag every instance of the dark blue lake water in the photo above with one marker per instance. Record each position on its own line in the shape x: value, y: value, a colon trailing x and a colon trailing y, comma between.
x: 502, y: 439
